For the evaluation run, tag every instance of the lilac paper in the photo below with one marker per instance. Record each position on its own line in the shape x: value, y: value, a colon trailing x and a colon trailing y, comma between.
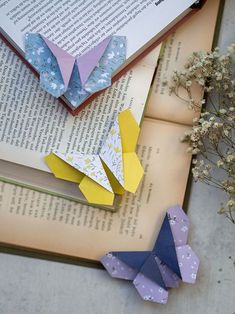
x: 149, y: 290
x: 188, y: 263
x: 65, y: 61
x: 179, y: 223
x: 116, y: 268
x: 87, y: 62
x: 151, y: 276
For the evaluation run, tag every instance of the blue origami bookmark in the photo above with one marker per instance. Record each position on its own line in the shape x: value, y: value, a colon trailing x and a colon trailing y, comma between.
x: 76, y: 78
x: 170, y: 261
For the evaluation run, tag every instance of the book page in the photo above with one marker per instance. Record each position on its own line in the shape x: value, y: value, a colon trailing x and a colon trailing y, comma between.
x: 33, y: 123
x: 79, y: 25
x: 40, y: 221
x: 195, y: 35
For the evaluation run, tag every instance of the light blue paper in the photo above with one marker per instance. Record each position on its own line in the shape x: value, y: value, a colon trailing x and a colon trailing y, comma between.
x: 42, y: 59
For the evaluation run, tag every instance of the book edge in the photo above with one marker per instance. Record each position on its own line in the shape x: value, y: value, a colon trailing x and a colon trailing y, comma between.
x: 122, y: 71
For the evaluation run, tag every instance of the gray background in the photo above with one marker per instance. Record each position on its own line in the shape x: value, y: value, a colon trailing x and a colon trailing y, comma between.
x: 33, y: 286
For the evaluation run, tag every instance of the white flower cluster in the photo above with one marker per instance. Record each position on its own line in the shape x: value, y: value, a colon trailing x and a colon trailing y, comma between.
x: 212, y: 134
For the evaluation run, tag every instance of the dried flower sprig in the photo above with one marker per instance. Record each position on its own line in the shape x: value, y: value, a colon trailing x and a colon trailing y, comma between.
x: 212, y: 135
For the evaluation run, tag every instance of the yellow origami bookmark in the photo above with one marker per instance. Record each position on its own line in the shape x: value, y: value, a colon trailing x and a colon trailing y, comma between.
x: 114, y: 170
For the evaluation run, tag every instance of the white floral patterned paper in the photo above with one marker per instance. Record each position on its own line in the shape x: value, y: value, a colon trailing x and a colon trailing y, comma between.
x: 111, y: 153
x: 90, y: 165
x: 111, y: 158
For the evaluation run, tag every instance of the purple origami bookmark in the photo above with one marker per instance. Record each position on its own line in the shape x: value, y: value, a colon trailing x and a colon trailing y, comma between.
x: 75, y: 77
x: 170, y: 261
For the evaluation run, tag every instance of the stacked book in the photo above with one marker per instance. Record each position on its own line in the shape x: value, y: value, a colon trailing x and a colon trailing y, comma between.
x: 41, y: 213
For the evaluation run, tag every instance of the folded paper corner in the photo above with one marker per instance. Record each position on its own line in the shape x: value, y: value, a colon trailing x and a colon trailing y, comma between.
x: 62, y: 170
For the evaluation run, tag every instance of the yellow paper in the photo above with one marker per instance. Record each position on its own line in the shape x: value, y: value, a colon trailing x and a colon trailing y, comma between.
x: 129, y: 131
x: 62, y: 170
x: 116, y: 186
x: 95, y: 193
x: 133, y: 172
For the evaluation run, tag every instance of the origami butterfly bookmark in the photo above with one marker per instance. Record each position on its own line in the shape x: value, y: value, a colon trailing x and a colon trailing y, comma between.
x: 170, y: 261
x: 115, y: 169
x: 74, y: 77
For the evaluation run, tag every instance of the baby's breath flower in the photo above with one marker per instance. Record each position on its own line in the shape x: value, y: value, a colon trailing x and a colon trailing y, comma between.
x: 230, y: 158
x: 201, y: 81
x: 220, y: 163
x: 226, y: 132
x: 195, y: 151
x: 231, y: 49
x: 205, y: 172
x: 230, y: 203
x: 218, y: 76
x: 223, y: 111
x: 230, y: 189
x: 206, y: 113
x: 213, y: 132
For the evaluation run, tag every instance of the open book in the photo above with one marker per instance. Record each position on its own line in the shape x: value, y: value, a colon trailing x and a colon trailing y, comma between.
x: 78, y: 26
x: 34, y: 124
x: 46, y: 223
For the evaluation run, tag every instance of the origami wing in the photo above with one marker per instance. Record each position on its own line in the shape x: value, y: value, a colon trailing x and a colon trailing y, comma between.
x: 75, y: 77
x: 171, y: 247
x: 115, y: 169
x: 149, y: 282
x: 85, y: 65
x: 133, y: 170
x: 54, y: 65
x: 187, y: 259
x: 85, y: 169
x: 142, y: 269
x: 93, y: 70
x: 90, y: 60
x: 113, y: 57
x: 118, y: 152
x: 124, y: 265
x: 153, y: 272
